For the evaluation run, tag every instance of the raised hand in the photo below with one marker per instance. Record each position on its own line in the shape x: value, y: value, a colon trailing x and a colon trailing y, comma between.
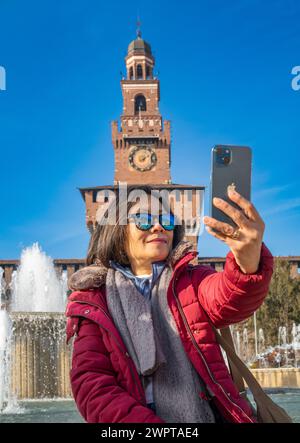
x: 244, y: 241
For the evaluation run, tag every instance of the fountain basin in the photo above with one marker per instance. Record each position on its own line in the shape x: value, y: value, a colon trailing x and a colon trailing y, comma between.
x: 277, y: 377
x: 40, y: 358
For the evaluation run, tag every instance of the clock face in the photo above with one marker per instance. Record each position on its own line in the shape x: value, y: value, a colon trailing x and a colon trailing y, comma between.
x: 142, y: 158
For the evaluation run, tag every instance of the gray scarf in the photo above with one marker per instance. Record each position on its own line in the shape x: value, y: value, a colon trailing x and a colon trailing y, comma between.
x: 152, y: 340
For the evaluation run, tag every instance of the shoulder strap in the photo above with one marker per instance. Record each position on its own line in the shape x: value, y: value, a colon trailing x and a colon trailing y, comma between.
x: 235, y: 374
x: 267, y: 410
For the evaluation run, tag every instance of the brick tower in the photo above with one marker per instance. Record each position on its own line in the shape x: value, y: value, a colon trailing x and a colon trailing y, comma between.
x: 142, y: 144
x: 142, y: 141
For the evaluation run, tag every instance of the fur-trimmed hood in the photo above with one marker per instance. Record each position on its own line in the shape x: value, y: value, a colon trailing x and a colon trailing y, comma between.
x: 94, y: 276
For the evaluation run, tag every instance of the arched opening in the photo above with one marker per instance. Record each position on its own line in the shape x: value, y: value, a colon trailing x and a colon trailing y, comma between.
x: 139, y: 72
x: 139, y: 104
x: 117, y: 143
x: 131, y: 73
x: 148, y: 72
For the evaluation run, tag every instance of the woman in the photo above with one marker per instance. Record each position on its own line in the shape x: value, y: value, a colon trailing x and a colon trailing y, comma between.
x: 145, y: 350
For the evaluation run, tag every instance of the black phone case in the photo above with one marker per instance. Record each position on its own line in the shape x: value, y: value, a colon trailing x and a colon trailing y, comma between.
x: 229, y: 168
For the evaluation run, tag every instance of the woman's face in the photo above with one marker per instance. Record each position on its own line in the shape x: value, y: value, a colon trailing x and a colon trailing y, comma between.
x: 145, y: 247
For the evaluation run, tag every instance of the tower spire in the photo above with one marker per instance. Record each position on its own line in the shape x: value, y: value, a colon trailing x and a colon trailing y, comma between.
x: 138, y: 27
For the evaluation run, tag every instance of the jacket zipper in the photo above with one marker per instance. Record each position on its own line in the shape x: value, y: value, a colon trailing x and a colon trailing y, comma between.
x: 116, y: 340
x: 199, y: 351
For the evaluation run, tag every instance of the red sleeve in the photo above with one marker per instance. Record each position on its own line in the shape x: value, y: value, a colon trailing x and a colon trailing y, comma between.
x: 97, y: 394
x: 231, y: 296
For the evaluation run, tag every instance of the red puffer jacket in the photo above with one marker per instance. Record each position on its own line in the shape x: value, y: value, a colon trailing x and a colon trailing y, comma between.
x: 105, y: 383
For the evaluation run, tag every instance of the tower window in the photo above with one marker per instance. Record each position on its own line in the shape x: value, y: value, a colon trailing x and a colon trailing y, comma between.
x: 148, y: 72
x: 117, y: 143
x: 131, y: 73
x: 140, y: 104
x: 139, y: 72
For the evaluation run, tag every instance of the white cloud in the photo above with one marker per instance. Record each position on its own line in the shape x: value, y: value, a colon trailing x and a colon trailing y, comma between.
x: 282, y: 207
x: 263, y: 193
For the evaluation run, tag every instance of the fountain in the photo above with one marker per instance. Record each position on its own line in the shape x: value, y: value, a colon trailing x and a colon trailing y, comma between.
x: 261, y: 340
x: 282, y: 335
x: 5, y: 339
x: 34, y: 358
x: 282, y: 355
x: 245, y: 345
x: 35, y: 286
x: 296, y: 343
x: 64, y: 287
x: 2, y: 284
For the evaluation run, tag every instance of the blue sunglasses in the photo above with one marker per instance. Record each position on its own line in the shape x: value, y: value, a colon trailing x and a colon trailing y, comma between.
x: 144, y: 222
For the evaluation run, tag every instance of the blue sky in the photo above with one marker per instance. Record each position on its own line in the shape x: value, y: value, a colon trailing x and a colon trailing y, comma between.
x: 225, y: 72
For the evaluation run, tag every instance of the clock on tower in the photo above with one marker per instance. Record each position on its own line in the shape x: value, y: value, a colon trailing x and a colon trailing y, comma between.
x: 142, y: 158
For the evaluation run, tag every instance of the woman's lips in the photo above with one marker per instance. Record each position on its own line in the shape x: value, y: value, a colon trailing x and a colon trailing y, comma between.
x: 160, y: 240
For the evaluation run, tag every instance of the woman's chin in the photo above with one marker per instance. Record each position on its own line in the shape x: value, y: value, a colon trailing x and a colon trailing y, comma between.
x: 158, y: 251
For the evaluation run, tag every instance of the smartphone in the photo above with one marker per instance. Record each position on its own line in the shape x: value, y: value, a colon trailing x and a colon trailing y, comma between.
x: 230, y: 165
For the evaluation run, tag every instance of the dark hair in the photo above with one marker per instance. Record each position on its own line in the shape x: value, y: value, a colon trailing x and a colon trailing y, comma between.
x: 107, y: 241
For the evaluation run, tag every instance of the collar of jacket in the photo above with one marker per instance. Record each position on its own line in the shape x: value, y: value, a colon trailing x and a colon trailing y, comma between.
x: 92, y: 277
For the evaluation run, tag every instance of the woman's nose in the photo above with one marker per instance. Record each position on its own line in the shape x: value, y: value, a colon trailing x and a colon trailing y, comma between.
x: 157, y: 227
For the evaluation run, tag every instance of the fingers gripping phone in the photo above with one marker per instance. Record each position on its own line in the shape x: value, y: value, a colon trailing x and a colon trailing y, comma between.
x: 230, y: 166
